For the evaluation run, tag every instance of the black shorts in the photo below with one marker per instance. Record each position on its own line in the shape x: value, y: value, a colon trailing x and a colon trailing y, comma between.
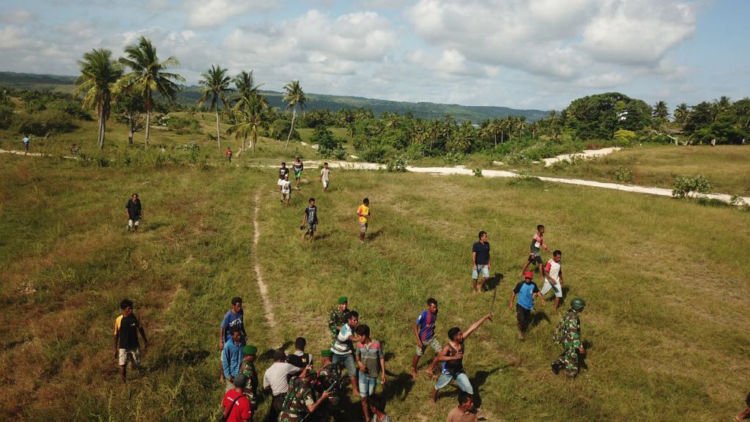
x: 523, y: 316
x: 535, y: 259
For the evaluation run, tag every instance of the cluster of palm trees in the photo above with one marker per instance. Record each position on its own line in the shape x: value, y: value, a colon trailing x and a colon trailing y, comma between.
x: 133, y: 80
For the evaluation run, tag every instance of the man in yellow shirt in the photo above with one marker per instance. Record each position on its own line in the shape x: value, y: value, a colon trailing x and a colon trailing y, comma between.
x: 363, y: 214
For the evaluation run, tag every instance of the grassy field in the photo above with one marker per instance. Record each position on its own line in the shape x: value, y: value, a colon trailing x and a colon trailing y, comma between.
x: 666, y: 287
x: 725, y: 166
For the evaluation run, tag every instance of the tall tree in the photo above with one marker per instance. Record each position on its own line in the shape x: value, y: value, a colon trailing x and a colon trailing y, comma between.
x: 99, y: 73
x: 148, y: 75
x: 681, y: 113
x: 293, y: 97
x: 215, y: 87
x: 661, y: 112
x: 249, y: 111
x: 245, y: 84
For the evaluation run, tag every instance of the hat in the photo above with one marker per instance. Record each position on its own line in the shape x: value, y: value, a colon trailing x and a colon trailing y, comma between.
x: 249, y: 350
x: 343, y: 300
x: 240, y: 381
x: 327, y: 353
x: 528, y: 274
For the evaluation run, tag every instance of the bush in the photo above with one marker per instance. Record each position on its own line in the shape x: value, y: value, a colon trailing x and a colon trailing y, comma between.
x: 375, y: 154
x: 6, y: 116
x: 623, y: 174
x: 45, y: 122
x: 397, y: 164
x: 477, y: 172
x: 684, y: 185
x: 183, y: 125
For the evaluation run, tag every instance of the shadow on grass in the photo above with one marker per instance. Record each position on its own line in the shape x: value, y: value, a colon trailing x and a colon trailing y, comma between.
x: 156, y: 225
x: 494, y: 281
x: 186, y: 357
x: 537, y: 317
x: 397, y: 386
x: 374, y: 235
x: 268, y: 354
x: 479, y: 379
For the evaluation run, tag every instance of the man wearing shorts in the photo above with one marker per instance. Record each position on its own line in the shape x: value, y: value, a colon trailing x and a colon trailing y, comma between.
x: 342, y: 347
x: 553, y: 277
x: 310, y: 220
x: 135, y: 212
x: 283, y: 170
x: 424, y: 331
x: 371, y: 365
x: 297, y: 167
x: 363, y: 216
x: 325, y: 176
x: 285, y: 187
x: 480, y: 258
x: 524, y: 292
x: 535, y: 251
x: 127, y: 328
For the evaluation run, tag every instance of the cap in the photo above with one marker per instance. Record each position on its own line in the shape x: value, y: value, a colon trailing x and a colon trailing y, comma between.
x: 249, y: 350
x: 528, y: 274
x: 343, y: 300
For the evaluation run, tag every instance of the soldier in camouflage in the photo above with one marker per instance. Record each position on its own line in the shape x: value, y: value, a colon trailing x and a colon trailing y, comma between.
x: 251, y: 374
x: 329, y: 379
x: 300, y: 400
x: 568, y: 334
x: 336, y: 318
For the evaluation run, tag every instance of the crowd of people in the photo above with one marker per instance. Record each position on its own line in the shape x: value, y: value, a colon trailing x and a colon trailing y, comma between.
x: 299, y: 392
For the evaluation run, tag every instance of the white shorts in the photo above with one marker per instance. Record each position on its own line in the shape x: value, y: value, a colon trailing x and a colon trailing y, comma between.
x: 132, y: 223
x: 484, y: 270
x: 325, y: 184
x: 548, y: 286
x: 134, y: 354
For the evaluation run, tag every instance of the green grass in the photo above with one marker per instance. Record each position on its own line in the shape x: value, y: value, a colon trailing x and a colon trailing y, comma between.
x: 725, y: 166
x: 666, y: 287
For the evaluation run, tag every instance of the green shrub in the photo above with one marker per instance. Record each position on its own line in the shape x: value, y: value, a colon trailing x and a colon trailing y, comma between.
x: 623, y: 174
x: 45, y: 122
x: 183, y: 125
x: 685, y: 185
x: 477, y: 172
x: 397, y: 164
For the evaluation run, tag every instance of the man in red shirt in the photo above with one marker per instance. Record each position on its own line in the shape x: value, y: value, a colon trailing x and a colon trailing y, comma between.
x: 235, y: 405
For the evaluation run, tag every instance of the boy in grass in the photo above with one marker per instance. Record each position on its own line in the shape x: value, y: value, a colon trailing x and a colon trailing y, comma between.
x: 232, y: 357
x: 127, y: 328
x: 135, y: 212
x: 371, y: 364
x: 525, y: 291
x: 234, y: 317
x: 283, y: 170
x: 363, y: 216
x: 337, y: 317
x: 452, y: 358
x: 297, y: 166
x: 553, y: 277
x: 310, y: 220
x: 535, y: 250
x: 424, y: 331
x: 342, y: 347
x: 325, y: 176
x: 285, y: 187
x: 480, y: 258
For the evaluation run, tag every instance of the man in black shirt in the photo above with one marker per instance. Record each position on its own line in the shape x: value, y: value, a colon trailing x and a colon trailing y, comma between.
x: 283, y: 170
x: 126, y: 337
x: 299, y: 358
x: 480, y: 259
x: 135, y: 213
x: 310, y: 220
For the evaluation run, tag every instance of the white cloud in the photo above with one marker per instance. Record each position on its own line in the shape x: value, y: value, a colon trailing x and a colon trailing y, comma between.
x: 209, y: 13
x: 16, y: 17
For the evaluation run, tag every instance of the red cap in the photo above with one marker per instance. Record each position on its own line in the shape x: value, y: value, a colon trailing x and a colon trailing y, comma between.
x: 528, y: 274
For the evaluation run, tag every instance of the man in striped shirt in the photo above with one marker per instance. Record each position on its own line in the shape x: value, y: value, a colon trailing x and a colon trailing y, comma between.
x: 424, y: 330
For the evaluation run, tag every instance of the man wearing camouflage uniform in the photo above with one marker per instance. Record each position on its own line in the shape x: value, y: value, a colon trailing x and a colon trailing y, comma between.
x: 336, y: 318
x: 251, y: 374
x: 300, y: 400
x: 329, y: 379
x: 568, y: 334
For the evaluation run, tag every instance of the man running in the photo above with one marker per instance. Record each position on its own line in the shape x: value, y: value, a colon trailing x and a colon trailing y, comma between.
x: 553, y: 277
x: 363, y: 216
x: 127, y: 328
x: 535, y: 250
x: 452, y: 357
x: 310, y: 220
x: 135, y: 212
x: 297, y: 167
x: 480, y: 258
x: 424, y: 331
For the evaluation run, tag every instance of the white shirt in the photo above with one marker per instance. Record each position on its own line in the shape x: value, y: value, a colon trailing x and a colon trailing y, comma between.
x: 342, y: 346
x: 286, y: 186
x: 276, y: 377
x: 324, y: 174
x: 553, y: 270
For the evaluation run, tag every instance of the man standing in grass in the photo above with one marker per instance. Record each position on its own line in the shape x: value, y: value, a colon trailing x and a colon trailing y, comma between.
x: 337, y: 317
x: 26, y: 143
x: 285, y: 187
x: 232, y: 357
x: 310, y: 220
x: 127, y: 328
x: 363, y: 216
x: 553, y: 277
x: 235, y: 406
x: 299, y: 358
x: 424, y: 331
x: 525, y: 291
x: 452, y: 357
x: 465, y: 410
x: 371, y: 365
x: 325, y: 176
x: 297, y: 166
x: 135, y: 212
x: 233, y: 318
x: 276, y: 381
x: 228, y: 154
x: 248, y: 371
x: 342, y: 347
x: 535, y: 250
x: 480, y: 258
x: 568, y: 334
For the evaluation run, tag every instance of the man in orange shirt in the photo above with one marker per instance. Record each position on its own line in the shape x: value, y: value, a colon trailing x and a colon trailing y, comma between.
x: 363, y: 217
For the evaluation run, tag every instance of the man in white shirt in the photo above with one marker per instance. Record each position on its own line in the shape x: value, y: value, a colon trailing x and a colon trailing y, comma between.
x: 276, y: 379
x: 285, y: 187
x: 553, y: 277
x: 342, y: 348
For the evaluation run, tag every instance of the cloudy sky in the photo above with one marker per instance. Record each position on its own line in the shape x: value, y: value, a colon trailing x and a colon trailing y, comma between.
x: 517, y: 53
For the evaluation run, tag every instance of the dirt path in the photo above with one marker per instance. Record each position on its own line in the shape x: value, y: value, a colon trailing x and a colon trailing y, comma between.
x: 258, y: 275
x: 586, y: 154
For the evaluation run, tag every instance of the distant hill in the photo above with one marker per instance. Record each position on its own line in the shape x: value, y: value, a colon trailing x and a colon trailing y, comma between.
x: 190, y: 95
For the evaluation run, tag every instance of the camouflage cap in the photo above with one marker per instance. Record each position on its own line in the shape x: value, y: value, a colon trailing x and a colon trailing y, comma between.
x: 578, y: 304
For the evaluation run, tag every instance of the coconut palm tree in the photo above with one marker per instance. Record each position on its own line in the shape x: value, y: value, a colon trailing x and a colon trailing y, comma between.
x: 215, y: 87
x: 293, y: 97
x: 99, y: 73
x: 248, y: 113
x: 148, y: 75
x: 245, y: 84
x: 681, y: 113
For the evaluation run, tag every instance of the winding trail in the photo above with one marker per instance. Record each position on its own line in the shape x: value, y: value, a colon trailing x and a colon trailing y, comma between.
x: 258, y: 275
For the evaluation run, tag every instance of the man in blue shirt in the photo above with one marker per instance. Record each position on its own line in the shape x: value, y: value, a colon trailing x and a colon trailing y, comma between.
x: 231, y: 360
x: 424, y: 331
x: 233, y: 318
x: 525, y: 291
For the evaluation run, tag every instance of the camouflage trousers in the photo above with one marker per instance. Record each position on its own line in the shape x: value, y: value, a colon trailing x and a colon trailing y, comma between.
x: 568, y: 359
x: 285, y: 416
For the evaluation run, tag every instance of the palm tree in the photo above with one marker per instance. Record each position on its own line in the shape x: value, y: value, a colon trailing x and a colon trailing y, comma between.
x: 245, y: 84
x: 147, y: 75
x: 293, y: 97
x: 681, y: 113
x: 215, y: 87
x: 99, y: 73
x: 249, y: 115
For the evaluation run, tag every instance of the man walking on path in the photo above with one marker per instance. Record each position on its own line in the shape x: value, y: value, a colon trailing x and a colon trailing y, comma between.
x: 371, y: 363
x: 310, y: 220
x: 235, y: 406
x: 553, y: 277
x: 337, y: 317
x: 127, y: 347
x: 135, y: 212
x: 525, y: 291
x: 298, y: 167
x: 26, y: 144
x: 480, y: 258
x: 233, y: 318
x: 424, y: 331
x: 325, y: 177
x: 535, y: 251
x: 342, y: 347
x: 451, y: 358
x: 232, y: 357
x: 276, y: 381
x: 363, y: 217
x: 568, y: 334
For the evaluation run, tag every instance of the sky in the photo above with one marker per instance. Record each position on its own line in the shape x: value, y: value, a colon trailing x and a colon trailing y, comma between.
x: 539, y: 54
